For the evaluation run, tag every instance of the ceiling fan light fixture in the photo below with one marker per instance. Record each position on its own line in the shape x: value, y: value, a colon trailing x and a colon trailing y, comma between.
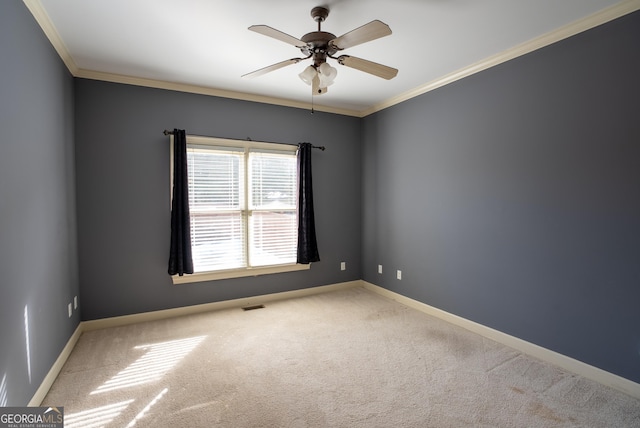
x: 316, y: 88
x: 327, y: 74
x: 318, y: 77
x: 308, y: 74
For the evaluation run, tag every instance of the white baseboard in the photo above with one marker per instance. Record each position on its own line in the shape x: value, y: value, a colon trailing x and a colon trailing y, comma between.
x: 46, y: 384
x: 562, y: 361
x: 44, y: 387
x: 567, y: 363
x: 214, y: 306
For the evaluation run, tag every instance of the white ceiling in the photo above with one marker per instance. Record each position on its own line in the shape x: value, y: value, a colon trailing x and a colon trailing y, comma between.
x: 204, y: 45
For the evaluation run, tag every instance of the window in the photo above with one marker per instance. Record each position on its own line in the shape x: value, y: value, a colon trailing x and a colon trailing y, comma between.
x: 243, y: 208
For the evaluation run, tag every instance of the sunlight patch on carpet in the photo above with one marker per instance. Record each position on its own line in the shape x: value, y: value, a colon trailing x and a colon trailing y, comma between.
x: 146, y: 409
x: 97, y: 417
x: 155, y: 363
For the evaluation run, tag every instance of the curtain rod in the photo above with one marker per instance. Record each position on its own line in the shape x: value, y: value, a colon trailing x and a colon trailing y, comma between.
x: 167, y: 132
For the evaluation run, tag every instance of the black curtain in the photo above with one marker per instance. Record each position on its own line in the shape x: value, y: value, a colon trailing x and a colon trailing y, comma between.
x: 307, y: 243
x: 180, y: 261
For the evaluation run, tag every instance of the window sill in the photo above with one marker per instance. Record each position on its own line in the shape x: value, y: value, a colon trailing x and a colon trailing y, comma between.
x: 237, y: 273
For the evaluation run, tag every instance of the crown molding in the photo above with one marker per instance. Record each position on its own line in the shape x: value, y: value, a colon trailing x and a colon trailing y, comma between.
x: 605, y: 15
x: 203, y: 90
x: 42, y: 18
x: 608, y: 14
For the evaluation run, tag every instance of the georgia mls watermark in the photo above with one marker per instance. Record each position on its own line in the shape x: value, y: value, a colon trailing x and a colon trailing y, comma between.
x: 31, y: 417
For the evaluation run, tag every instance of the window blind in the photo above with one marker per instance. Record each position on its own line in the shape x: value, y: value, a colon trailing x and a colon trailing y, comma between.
x: 243, y: 207
x: 273, y: 223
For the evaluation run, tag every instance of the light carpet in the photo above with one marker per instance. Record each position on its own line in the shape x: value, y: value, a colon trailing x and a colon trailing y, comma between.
x: 349, y: 358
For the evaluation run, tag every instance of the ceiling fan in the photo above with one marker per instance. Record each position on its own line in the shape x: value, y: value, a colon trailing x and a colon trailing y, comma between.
x: 320, y: 45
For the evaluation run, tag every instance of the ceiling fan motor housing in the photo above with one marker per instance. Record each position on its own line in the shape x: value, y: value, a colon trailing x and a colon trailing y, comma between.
x: 318, y: 46
x: 318, y: 41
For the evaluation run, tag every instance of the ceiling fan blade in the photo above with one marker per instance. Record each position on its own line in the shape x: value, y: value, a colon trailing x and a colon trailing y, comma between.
x: 368, y: 66
x: 366, y: 33
x: 279, y: 35
x: 272, y: 67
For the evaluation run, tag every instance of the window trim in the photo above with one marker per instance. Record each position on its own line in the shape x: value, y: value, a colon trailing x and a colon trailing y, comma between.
x: 240, y: 272
x: 237, y: 273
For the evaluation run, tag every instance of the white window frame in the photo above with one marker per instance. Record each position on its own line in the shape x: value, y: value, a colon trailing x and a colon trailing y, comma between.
x: 245, y: 271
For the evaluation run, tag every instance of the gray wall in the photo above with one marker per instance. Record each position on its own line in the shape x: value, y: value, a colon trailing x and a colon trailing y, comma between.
x: 124, y: 192
x: 38, y: 257
x: 511, y: 197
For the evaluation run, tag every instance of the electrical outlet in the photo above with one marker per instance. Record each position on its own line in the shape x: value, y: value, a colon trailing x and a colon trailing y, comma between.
x: 75, y: 302
x: 343, y: 265
x: 399, y: 274
x: 70, y: 310
x: 379, y: 268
